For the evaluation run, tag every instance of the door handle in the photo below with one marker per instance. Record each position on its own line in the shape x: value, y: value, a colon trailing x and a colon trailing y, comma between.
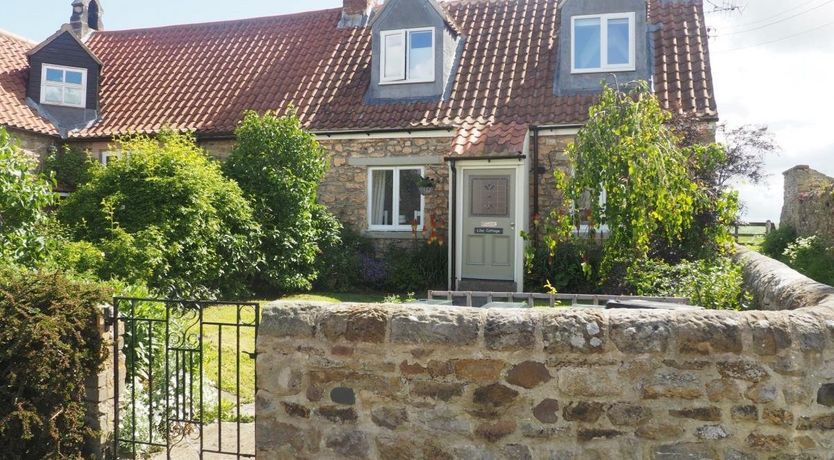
x: 512, y: 225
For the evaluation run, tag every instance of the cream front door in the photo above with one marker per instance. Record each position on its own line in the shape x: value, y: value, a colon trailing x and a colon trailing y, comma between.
x: 489, y: 225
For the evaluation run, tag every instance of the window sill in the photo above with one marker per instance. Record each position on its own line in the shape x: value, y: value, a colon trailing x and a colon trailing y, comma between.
x: 392, y: 234
x: 53, y: 104
x: 404, y: 82
x: 591, y: 71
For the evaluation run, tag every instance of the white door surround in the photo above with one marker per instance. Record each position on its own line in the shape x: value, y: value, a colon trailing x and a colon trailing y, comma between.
x: 520, y: 194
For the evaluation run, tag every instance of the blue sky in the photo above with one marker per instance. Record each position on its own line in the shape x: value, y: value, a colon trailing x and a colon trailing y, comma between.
x: 772, y: 64
x: 38, y: 19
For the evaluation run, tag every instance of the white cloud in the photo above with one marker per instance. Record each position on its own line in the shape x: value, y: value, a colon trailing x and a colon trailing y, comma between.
x: 784, y: 84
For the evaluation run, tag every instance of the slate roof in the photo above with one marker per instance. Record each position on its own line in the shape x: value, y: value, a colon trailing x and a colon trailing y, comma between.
x: 202, y: 77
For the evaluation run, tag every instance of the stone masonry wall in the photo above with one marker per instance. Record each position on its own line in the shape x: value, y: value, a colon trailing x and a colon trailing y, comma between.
x: 100, y: 398
x: 403, y: 382
x: 809, y: 202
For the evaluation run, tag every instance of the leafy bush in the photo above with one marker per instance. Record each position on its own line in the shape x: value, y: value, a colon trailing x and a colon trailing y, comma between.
x: 419, y: 268
x: 341, y: 266
x: 811, y: 257
x: 24, y: 198
x: 49, y: 344
x: 777, y: 241
x: 573, y: 267
x: 279, y: 167
x: 71, y: 167
x: 716, y: 285
x: 165, y: 216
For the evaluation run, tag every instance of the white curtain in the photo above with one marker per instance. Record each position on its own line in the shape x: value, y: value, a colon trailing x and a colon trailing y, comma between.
x: 378, y: 186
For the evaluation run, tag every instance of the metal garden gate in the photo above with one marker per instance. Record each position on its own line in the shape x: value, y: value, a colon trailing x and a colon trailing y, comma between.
x: 185, y: 378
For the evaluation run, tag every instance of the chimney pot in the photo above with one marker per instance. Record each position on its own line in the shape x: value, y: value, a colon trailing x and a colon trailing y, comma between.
x: 355, y: 13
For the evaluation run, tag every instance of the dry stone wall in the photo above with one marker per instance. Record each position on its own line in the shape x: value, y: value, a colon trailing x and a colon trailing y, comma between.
x: 403, y: 382
x: 809, y: 202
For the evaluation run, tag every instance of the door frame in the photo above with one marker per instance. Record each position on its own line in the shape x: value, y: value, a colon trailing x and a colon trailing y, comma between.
x: 519, y: 164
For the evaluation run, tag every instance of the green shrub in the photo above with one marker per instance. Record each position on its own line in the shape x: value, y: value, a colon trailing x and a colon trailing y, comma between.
x: 279, y: 167
x: 24, y: 198
x: 340, y: 265
x: 49, y: 343
x: 777, y: 241
x: 716, y: 284
x: 166, y: 217
x: 416, y: 268
x: 572, y: 268
x: 71, y: 167
x: 811, y: 257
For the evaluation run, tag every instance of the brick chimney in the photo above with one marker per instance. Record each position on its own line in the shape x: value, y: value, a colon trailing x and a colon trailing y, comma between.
x: 355, y: 13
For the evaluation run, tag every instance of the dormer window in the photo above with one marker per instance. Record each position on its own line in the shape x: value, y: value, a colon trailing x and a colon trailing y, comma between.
x: 65, y: 86
x: 603, y: 43
x: 407, y: 56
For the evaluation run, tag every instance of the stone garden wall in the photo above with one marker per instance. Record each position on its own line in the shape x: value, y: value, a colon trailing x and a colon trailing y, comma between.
x: 809, y: 202
x: 402, y: 382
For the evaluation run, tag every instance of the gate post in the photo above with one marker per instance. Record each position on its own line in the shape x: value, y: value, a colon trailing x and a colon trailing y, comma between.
x: 100, y: 393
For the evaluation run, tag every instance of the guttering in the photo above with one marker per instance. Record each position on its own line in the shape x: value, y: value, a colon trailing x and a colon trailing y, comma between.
x: 453, y: 224
x: 488, y: 159
x: 534, y: 170
x: 370, y: 132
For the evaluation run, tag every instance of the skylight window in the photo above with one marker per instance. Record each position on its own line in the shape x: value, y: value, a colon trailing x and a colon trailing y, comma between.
x: 407, y: 56
x: 66, y: 86
x: 603, y: 43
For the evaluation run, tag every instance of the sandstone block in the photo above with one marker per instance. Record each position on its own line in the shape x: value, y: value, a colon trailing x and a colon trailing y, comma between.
x: 658, y: 431
x: 641, y: 333
x: 295, y: 410
x: 743, y: 370
x: 518, y: 452
x: 350, y: 444
x: 424, y: 326
x: 504, y: 331
x: 685, y: 450
x: 437, y: 390
x: 389, y: 417
x: 528, y: 374
x: 489, y: 399
x: 547, y: 411
x: 337, y: 414
x: 709, y: 333
x: 289, y: 320
x: 573, y: 332
x: 583, y: 411
x: 494, y: 431
x: 704, y: 414
x: 723, y: 390
x: 343, y: 395
x: 825, y: 395
x: 745, y: 413
x: 532, y: 430
x: 590, y: 382
x: 766, y: 442
x: 819, y: 423
x: 778, y: 417
x: 673, y: 385
x: 627, y: 414
x: 762, y: 393
x: 479, y: 370
x: 591, y: 434
x: 711, y: 433
x: 770, y: 337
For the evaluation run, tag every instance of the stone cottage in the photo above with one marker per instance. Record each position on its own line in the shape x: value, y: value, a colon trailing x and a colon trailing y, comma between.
x: 482, y: 96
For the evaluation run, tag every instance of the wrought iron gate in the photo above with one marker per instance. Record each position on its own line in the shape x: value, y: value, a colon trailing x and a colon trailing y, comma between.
x: 179, y: 379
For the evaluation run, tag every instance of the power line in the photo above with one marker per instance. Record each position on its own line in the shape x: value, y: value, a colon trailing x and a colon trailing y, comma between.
x: 794, y: 8
x: 780, y: 20
x: 777, y: 40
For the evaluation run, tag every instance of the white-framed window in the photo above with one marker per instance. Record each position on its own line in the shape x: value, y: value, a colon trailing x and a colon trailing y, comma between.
x: 108, y: 156
x: 603, y: 43
x: 65, y: 86
x: 407, y: 56
x: 394, y: 200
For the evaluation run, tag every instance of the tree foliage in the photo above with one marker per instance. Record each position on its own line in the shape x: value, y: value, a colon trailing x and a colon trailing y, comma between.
x: 279, y: 167
x: 628, y: 153
x: 71, y: 167
x: 24, y: 198
x: 165, y: 215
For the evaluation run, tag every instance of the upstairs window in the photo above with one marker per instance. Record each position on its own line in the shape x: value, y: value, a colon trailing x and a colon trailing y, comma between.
x: 66, y: 86
x: 407, y: 56
x: 603, y: 43
x: 394, y: 199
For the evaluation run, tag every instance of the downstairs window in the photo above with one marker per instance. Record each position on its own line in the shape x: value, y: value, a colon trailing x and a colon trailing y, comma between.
x: 394, y: 200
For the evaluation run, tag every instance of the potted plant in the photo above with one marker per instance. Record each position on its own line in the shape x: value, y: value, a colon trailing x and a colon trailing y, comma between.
x: 425, y: 185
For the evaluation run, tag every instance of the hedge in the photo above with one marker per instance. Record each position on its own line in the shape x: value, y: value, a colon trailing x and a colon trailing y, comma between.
x: 49, y: 343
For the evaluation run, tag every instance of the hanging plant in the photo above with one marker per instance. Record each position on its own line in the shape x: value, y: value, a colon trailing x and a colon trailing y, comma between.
x: 426, y: 185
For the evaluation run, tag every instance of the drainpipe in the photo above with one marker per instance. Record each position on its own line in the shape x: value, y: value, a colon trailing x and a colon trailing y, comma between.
x: 534, y: 130
x: 453, y: 227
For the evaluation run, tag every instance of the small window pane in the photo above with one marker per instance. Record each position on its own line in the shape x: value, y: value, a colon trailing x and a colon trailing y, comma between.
x: 409, y: 197
x: 72, y: 96
x: 73, y: 77
x: 53, y: 95
x: 394, y: 67
x: 587, y: 43
x: 420, y: 63
x: 619, y: 37
x: 55, y: 75
x: 382, y: 197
